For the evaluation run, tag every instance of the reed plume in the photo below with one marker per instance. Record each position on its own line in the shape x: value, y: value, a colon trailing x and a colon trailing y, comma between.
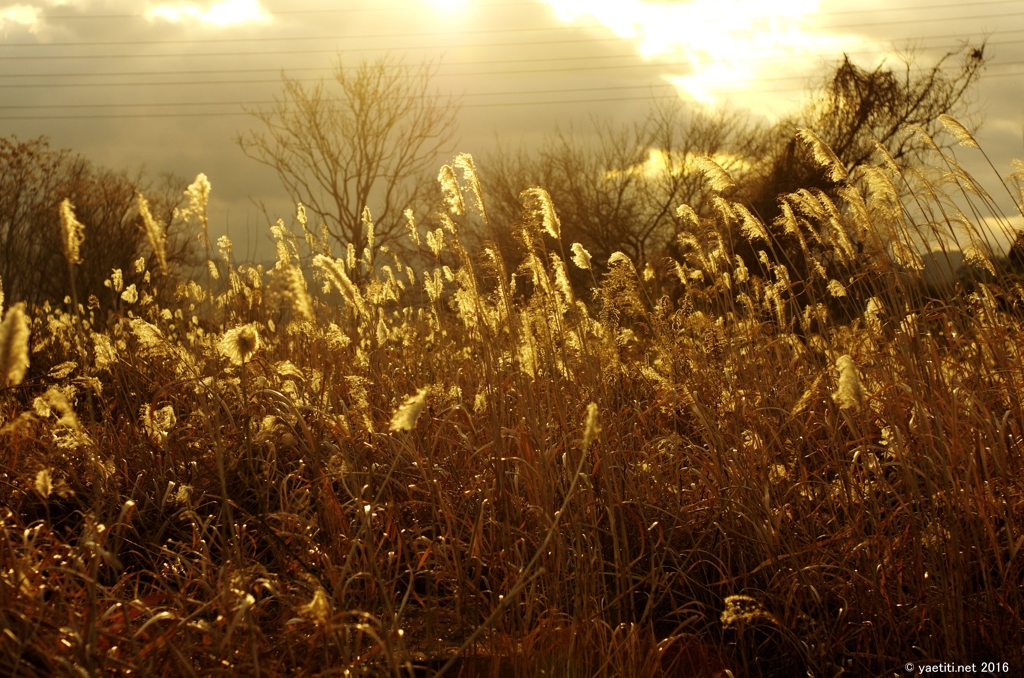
x: 14, y: 334
x: 155, y: 232
x: 408, y: 412
x: 73, y: 231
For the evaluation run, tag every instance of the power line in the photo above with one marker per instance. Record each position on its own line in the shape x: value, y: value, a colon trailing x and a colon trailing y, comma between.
x: 268, y: 102
x: 468, y: 94
x: 380, y: 8
x: 29, y: 58
x: 194, y: 83
x: 463, y: 63
x: 448, y: 35
x: 222, y: 114
x: 263, y: 40
x: 198, y: 83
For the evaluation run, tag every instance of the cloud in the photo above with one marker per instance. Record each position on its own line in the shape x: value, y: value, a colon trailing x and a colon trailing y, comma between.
x: 224, y: 13
x: 728, y: 45
x: 21, y: 15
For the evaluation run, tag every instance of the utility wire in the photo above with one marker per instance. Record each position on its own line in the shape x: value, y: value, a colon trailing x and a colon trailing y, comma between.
x: 496, y: 31
x: 326, y: 69
x: 199, y: 83
x: 222, y: 114
x: 307, y: 38
x: 405, y: 8
x: 467, y: 94
x: 327, y: 51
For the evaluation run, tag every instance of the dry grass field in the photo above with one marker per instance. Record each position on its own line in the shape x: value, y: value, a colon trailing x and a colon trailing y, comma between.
x: 805, y: 462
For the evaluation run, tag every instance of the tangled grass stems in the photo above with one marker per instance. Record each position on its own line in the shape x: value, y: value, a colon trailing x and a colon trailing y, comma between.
x: 811, y: 464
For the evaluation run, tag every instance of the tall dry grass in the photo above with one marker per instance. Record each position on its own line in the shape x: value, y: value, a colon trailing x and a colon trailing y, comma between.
x: 348, y: 466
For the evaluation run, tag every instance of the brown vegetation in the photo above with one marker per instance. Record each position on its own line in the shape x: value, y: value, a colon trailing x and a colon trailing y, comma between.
x: 719, y: 467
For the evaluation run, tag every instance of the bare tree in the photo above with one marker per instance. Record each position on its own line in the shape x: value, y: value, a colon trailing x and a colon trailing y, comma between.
x: 365, y: 143
x: 855, y: 108
x: 617, y: 189
x: 33, y: 181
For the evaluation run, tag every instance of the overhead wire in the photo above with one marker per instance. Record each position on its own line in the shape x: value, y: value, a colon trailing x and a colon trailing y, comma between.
x: 546, y: 59
x: 445, y: 35
x: 307, y: 38
x: 466, y: 94
x: 384, y: 8
x: 202, y: 83
x: 503, y: 104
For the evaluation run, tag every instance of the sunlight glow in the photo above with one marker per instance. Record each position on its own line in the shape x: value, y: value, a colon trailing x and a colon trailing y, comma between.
x: 729, y: 45
x: 660, y: 162
x: 449, y: 5
x: 21, y: 15
x: 224, y: 13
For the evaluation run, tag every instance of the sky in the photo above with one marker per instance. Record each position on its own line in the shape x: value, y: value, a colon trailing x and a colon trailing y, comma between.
x: 165, y: 86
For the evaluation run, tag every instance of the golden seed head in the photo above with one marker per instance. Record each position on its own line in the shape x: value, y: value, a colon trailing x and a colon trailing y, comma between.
x: 319, y: 608
x: 580, y: 256
x: 239, y: 344
x: 850, y: 392
x: 592, y: 429
x: 155, y: 232
x: 44, y: 484
x: 959, y: 132
x: 823, y: 155
x: 74, y: 232
x: 718, y: 179
x: 406, y: 415
x: 14, y: 333
x: 452, y: 191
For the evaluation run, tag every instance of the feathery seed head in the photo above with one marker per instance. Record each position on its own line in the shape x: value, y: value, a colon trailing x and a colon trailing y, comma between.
x: 198, y: 193
x: 451, y: 190
x: 44, y: 483
x: 718, y: 179
x: 850, y: 393
x: 14, y: 333
x: 538, y: 201
x: 976, y: 257
x: 959, y: 132
x: 116, y: 281
x: 874, y: 309
x: 619, y: 258
x: 464, y: 161
x: 752, y: 227
x: 55, y: 401
x: 406, y: 415
x: 580, y: 256
x: 746, y: 611
x: 155, y: 232
x: 836, y: 289
x: 592, y: 429
x: 225, y: 248
x: 823, y: 155
x: 130, y: 294
x: 239, y: 344
x: 73, y: 230
x: 368, y: 223
x: 319, y: 608
x: 302, y: 305
x: 687, y: 215
x: 410, y: 223
x: 336, y: 273
x: 435, y: 241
